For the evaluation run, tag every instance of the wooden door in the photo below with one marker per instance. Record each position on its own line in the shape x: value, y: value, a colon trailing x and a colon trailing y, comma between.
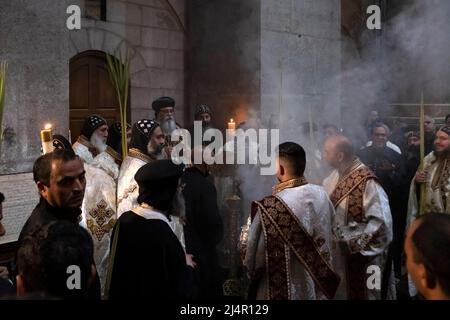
x: 91, y: 91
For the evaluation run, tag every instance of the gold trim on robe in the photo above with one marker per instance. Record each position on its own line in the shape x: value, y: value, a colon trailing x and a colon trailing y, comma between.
x: 283, y: 232
x: 293, y: 183
x: 353, y: 186
x: 136, y: 153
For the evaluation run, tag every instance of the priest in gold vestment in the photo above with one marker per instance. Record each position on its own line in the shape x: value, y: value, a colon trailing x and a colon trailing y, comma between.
x: 287, y: 242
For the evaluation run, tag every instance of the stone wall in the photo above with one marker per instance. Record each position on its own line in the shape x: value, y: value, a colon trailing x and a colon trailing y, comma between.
x: 21, y: 196
x: 37, y: 46
x: 149, y: 31
x: 34, y: 42
x: 300, y: 63
x: 224, y: 59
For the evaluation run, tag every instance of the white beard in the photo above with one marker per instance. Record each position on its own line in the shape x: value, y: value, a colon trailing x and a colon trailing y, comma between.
x: 98, y: 142
x: 168, y: 126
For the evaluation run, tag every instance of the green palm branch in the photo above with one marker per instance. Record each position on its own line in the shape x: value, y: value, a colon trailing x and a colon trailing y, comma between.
x: 119, y: 73
x: 3, y: 67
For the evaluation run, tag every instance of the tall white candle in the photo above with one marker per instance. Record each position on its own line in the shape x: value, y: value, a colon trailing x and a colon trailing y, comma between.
x: 46, y: 139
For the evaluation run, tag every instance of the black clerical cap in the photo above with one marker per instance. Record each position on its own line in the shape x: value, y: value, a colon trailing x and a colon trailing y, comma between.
x: 163, y: 102
x: 60, y: 142
x: 141, y: 133
x: 91, y: 124
x: 446, y: 130
x: 158, y: 172
x: 201, y: 108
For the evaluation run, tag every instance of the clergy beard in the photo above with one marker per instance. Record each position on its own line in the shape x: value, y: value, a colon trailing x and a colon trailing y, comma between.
x: 168, y: 125
x: 98, y: 142
x: 206, y: 125
x: 441, y: 155
x: 155, y: 152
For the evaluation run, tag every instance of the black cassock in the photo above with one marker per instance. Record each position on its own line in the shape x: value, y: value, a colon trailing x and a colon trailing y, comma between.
x: 203, y: 231
x: 396, y: 185
x: 149, y: 261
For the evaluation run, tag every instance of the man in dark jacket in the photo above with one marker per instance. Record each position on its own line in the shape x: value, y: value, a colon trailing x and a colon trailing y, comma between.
x: 388, y: 166
x: 60, y: 179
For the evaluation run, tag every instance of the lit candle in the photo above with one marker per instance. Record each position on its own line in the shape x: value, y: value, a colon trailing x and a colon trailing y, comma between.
x: 46, y: 139
x: 231, y: 124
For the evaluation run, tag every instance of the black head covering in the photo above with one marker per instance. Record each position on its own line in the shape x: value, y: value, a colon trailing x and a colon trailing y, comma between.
x: 91, y: 124
x: 60, y: 142
x: 141, y: 134
x: 201, y: 108
x: 2, y: 197
x: 158, y: 182
x: 115, y: 136
x: 412, y: 134
x: 163, y: 102
x: 445, y: 129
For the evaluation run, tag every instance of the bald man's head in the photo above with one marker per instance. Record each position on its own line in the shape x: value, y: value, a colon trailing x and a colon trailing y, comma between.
x: 338, y: 149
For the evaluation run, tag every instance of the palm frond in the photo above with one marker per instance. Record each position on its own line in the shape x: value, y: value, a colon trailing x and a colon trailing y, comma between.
x: 3, y: 67
x: 119, y: 73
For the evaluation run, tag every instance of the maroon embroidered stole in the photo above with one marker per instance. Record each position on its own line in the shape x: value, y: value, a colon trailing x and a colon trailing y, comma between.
x: 440, y: 180
x: 283, y: 231
x: 353, y: 186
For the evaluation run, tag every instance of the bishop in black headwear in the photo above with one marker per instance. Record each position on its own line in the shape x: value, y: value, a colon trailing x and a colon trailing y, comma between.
x: 149, y: 260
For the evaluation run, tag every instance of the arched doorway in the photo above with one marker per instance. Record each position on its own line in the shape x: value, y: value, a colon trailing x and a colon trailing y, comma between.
x: 91, y: 90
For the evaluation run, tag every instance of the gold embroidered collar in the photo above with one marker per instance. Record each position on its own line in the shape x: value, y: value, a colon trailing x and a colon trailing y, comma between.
x: 85, y: 142
x: 355, y: 164
x: 289, y: 184
x: 136, y: 153
x: 114, y: 154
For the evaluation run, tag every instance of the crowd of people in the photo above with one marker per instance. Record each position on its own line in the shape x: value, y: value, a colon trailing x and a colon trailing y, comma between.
x: 145, y: 227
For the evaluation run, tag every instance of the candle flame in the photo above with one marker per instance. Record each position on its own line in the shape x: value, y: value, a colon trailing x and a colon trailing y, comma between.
x: 231, y: 120
x: 48, y: 126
